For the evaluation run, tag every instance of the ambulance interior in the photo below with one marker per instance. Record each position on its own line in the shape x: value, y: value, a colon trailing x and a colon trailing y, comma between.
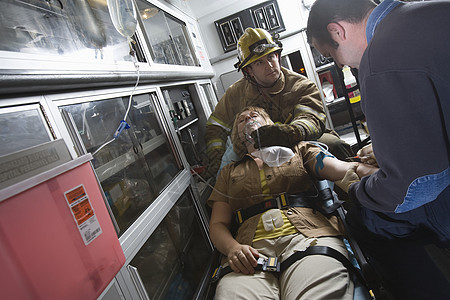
x: 107, y: 101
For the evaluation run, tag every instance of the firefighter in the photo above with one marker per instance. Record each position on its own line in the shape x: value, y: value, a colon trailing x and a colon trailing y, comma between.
x: 292, y: 101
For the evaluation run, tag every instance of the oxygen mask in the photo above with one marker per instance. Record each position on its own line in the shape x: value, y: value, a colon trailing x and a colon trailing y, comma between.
x: 251, y: 126
x: 273, y: 156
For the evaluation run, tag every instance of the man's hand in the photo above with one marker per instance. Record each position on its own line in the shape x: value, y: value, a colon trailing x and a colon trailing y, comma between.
x: 365, y: 170
x: 349, y: 178
x: 243, y: 259
x: 285, y: 135
x: 366, y: 155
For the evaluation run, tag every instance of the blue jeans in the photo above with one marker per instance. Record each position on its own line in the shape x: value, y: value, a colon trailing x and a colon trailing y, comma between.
x: 394, y: 244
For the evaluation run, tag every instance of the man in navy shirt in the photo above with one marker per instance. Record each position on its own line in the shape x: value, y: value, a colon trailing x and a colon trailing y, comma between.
x: 401, y: 51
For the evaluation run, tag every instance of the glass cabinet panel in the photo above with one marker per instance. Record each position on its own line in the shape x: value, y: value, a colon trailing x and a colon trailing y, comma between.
x: 147, y: 127
x: 169, y: 42
x: 134, y: 167
x: 171, y: 263
x: 81, y: 30
x: 210, y: 96
x: 21, y: 128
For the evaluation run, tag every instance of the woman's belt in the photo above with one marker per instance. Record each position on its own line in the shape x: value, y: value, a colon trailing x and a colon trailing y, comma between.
x: 324, y: 201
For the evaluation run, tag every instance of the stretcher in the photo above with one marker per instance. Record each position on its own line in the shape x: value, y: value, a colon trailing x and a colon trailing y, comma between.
x: 367, y: 284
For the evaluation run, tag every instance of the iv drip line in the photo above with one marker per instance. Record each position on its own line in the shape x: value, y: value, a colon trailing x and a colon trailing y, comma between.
x: 123, y: 124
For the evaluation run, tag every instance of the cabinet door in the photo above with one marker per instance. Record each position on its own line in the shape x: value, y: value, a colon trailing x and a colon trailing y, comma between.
x: 22, y: 127
x: 134, y: 166
x: 167, y: 36
x: 174, y: 261
x: 152, y: 139
x: 210, y: 96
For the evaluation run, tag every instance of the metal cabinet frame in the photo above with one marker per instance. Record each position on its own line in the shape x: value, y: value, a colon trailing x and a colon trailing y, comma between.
x: 135, y: 236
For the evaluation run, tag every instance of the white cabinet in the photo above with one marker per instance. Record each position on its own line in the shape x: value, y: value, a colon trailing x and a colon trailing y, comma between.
x: 64, y: 79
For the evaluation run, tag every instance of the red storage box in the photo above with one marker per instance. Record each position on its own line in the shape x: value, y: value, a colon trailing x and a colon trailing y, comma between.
x: 57, y: 240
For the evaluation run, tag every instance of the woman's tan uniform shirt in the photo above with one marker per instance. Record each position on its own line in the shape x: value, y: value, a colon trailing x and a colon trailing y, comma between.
x: 241, y: 179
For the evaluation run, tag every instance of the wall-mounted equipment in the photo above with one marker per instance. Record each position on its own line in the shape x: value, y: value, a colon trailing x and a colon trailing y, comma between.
x: 181, y: 104
x: 265, y: 15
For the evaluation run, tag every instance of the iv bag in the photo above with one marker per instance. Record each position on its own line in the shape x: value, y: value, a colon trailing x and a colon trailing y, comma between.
x: 123, y: 16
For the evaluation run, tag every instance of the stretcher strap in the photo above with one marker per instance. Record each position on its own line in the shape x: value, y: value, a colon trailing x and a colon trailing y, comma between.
x: 318, y: 202
x: 283, y: 201
x: 313, y: 250
x: 322, y: 250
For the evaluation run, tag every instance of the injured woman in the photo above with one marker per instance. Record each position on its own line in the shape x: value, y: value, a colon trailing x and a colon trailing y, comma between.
x: 268, y: 192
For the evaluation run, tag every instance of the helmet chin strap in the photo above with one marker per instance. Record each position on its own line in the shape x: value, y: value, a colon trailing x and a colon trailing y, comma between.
x: 258, y: 85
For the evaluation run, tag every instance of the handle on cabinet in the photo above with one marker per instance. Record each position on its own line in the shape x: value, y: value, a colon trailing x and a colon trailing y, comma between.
x: 192, y: 142
x: 136, y: 278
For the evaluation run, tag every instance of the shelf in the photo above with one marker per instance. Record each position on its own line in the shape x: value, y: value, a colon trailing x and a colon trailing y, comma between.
x: 188, y: 124
x: 325, y: 67
x: 112, y: 167
x: 347, y: 133
x: 152, y: 144
x: 335, y: 101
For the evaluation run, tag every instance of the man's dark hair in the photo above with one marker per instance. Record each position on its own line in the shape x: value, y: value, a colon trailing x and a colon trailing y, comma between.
x: 324, y: 12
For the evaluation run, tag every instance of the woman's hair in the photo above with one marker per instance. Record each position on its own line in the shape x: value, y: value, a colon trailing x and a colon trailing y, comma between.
x: 239, y: 146
x: 324, y: 12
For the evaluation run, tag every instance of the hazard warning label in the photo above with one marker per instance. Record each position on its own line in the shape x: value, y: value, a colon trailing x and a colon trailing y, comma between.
x: 83, y: 213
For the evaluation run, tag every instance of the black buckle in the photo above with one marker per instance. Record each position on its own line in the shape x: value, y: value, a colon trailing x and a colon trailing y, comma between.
x: 282, y: 201
x: 268, y: 264
x: 216, y: 275
x: 265, y: 264
x: 238, y: 216
x: 271, y: 264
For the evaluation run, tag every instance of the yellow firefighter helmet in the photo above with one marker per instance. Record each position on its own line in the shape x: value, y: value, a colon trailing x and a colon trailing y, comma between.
x: 254, y: 44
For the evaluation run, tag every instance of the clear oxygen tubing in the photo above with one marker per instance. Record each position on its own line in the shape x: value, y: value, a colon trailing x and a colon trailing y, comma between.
x: 120, y: 128
x: 248, y: 137
x: 123, y: 16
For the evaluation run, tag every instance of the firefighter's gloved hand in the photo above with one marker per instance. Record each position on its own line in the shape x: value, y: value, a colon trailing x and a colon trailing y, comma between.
x: 349, y: 178
x: 285, y: 135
